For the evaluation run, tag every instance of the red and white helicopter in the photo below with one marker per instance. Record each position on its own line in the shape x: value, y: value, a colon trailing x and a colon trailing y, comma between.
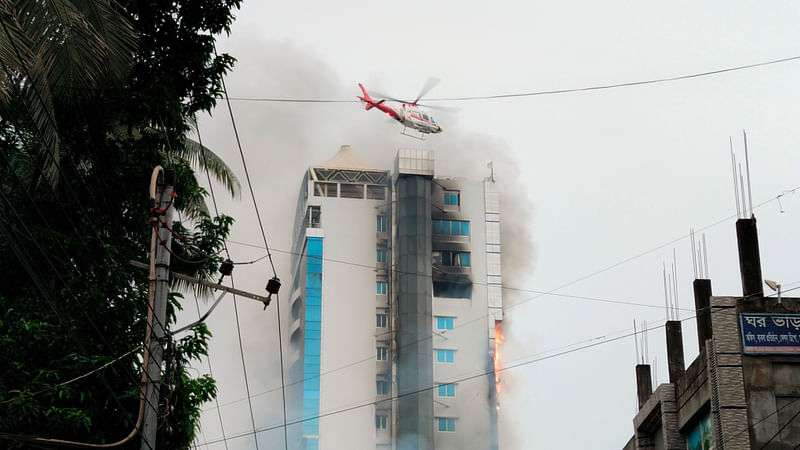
x: 410, y: 114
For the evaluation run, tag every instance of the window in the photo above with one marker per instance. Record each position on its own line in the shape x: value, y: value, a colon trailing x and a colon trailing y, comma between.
x: 445, y: 356
x: 446, y: 424
x: 425, y: 116
x: 380, y: 320
x: 380, y: 287
x: 382, y: 224
x: 451, y: 258
x: 351, y: 190
x: 444, y: 323
x: 465, y: 259
x: 381, y: 422
x: 449, y: 289
x: 376, y: 192
x: 381, y: 256
x: 451, y: 198
x: 446, y: 390
x: 383, y: 353
x: 451, y: 227
x: 382, y: 387
x: 325, y: 189
x: 313, y: 216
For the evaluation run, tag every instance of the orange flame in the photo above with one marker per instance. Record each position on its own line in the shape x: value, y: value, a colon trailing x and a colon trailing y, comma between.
x: 498, y: 341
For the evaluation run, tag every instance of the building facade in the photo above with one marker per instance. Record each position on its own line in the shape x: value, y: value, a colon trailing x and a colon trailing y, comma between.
x: 394, y: 307
x: 743, y: 389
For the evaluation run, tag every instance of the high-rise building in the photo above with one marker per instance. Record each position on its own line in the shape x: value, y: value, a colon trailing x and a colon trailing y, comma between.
x: 394, y: 307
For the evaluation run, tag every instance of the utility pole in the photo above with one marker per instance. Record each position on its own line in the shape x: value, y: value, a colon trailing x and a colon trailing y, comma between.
x: 156, y: 346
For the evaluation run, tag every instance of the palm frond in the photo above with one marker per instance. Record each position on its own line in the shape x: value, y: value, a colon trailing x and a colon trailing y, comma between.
x: 202, y: 157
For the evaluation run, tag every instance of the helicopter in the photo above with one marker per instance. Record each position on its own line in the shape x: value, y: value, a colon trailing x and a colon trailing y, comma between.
x: 410, y: 114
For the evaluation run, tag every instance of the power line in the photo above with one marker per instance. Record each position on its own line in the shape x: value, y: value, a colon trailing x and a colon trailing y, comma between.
x: 23, y: 257
x: 464, y: 378
x: 274, y: 273
x: 537, y: 93
x: 225, y: 245
x: 51, y: 154
x: 428, y: 388
x: 777, y: 433
x: 539, y: 294
x: 79, y: 377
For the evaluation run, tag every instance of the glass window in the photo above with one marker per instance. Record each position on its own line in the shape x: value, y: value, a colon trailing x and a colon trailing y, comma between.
x: 446, y: 390
x: 437, y: 227
x: 425, y: 116
x: 451, y: 198
x: 382, y: 387
x: 382, y: 353
x: 445, y: 356
x: 455, y: 228
x: 381, y: 320
x: 449, y: 289
x: 464, y: 259
x: 446, y: 424
x: 381, y: 422
x: 382, y: 224
x: 451, y: 258
x: 376, y: 192
x: 380, y: 287
x: 451, y: 227
x: 351, y: 190
x: 381, y: 255
x: 325, y: 189
x: 444, y: 323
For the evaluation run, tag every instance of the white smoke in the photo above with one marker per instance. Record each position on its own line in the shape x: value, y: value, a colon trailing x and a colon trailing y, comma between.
x: 280, y: 141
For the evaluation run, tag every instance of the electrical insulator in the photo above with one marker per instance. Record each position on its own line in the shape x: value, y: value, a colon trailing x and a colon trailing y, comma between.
x: 225, y: 269
x: 273, y: 286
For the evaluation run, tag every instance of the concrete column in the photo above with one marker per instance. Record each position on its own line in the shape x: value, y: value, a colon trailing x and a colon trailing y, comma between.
x: 675, y: 360
x: 749, y: 258
x: 644, y: 383
x: 702, y: 306
x: 415, y: 309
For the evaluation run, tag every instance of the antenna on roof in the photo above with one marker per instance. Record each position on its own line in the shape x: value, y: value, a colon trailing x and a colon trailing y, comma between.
x: 741, y: 188
x: 666, y: 297
x: 636, y: 341
x: 747, y: 165
x: 694, y: 253
x: 705, y: 258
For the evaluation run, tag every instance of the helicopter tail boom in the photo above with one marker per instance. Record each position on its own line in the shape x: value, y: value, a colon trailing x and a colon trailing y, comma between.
x: 370, y: 103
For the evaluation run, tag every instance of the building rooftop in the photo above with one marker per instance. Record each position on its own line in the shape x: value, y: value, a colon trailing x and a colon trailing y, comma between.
x: 346, y: 159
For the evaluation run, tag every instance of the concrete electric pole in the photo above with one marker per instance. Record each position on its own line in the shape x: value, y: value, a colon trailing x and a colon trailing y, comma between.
x: 163, y: 207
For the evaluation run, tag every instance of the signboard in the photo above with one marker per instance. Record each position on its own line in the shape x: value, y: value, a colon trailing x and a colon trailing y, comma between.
x: 770, y: 333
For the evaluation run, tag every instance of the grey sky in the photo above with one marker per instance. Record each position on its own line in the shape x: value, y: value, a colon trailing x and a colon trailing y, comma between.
x: 591, y: 179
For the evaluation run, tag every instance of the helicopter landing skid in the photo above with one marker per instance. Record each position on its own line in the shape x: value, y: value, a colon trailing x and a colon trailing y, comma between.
x: 421, y: 136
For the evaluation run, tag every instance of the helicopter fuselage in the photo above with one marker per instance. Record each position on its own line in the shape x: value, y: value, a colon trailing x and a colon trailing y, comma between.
x: 409, y: 114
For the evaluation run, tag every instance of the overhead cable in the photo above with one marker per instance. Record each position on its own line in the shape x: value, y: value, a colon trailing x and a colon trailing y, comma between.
x: 537, y: 93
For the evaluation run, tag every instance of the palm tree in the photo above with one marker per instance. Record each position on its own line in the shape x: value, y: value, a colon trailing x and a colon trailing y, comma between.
x: 54, y: 52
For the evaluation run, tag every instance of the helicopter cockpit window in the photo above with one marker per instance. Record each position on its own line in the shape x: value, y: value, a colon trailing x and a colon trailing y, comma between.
x: 425, y: 116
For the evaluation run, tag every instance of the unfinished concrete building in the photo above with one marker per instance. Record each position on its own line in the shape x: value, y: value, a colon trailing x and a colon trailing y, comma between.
x: 743, y: 389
